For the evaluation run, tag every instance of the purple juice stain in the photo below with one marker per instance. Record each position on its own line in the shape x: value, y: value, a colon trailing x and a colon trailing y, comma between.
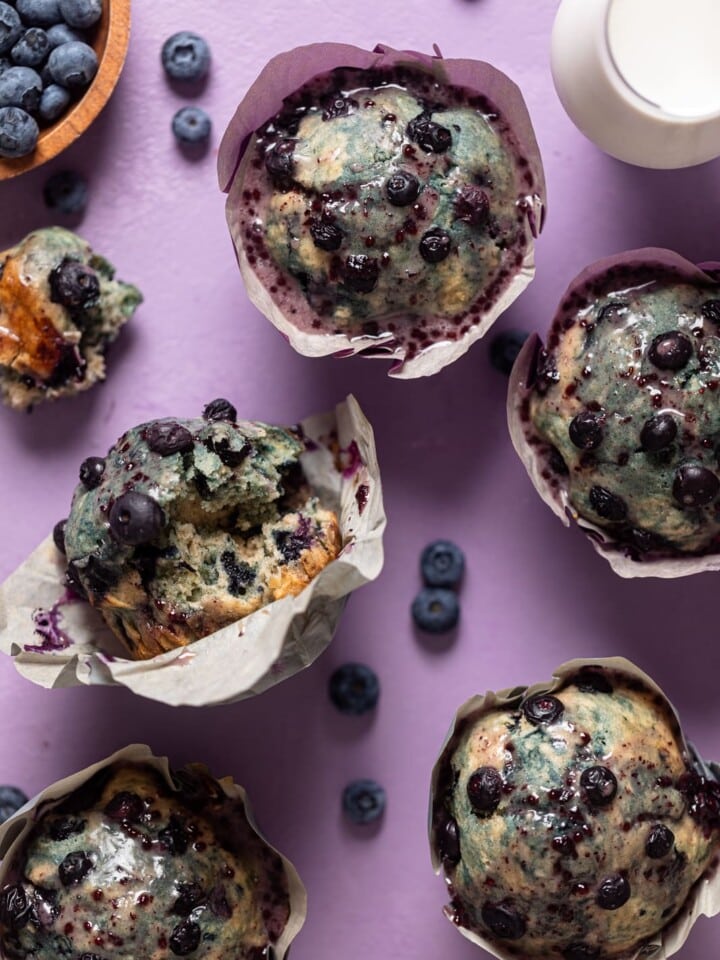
x: 352, y: 459
x: 361, y: 496
x: 47, y: 626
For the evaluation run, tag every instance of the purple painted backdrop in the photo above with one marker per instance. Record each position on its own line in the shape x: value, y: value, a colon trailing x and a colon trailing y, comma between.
x: 535, y: 593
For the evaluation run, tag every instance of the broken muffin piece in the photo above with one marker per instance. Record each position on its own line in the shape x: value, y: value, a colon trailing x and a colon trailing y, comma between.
x: 60, y: 308
x: 189, y: 525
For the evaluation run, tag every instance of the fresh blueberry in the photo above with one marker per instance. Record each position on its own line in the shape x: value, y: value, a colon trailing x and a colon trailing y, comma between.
x: 442, y: 564
x: 39, y: 13
x: 354, y: 688
x: 185, y: 56
x: 436, y: 610
x: 81, y: 13
x: 11, y: 799
x: 74, y: 285
x: 32, y: 48
x: 220, y: 410
x: 363, y: 801
x: 61, y: 33
x: 402, y: 188
x: 54, y: 101
x: 191, y: 125
x: 135, y: 518
x: 670, y: 351
x: 66, y: 192
x: 10, y: 27
x: 58, y: 535
x: 504, y: 348
x: 20, y: 87
x: 18, y: 132
x: 73, y: 64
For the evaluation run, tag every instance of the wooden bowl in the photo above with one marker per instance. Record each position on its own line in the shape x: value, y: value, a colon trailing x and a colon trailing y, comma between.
x: 110, y: 39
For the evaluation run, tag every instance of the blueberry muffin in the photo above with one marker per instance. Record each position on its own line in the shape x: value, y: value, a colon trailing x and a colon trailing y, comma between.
x: 60, y: 308
x: 187, y: 526
x: 384, y: 205
x: 572, y: 824
x: 126, y: 867
x: 623, y: 417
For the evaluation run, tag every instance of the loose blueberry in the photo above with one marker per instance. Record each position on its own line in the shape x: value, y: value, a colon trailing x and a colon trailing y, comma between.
x: 280, y: 160
x: 442, y: 564
x: 660, y: 841
x: 74, y: 285
x: 32, y: 48
x: 18, y: 132
x: 81, y: 13
x: 74, y: 868
x: 20, y: 87
x: 504, y: 348
x: 125, y: 807
x: 220, y: 410
x: 61, y: 33
x: 326, y: 236
x: 542, y: 708
x: 190, y: 895
x: 363, y: 801
x: 658, y: 432
x: 429, y: 136
x: 448, y: 839
x: 14, y: 906
x: 91, y: 472
x: 613, y: 892
x: 484, y: 790
x: 436, y: 610
x: 165, y: 437
x: 599, y: 786
x: 360, y: 273
x: 54, y: 101
x: 41, y: 13
x: 73, y: 65
x: 11, y: 27
x: 694, y: 486
x: 670, y: 351
x: 586, y: 430
x: 711, y: 311
x: 66, y: 192
x: 472, y: 205
x: 185, y: 56
x: 58, y: 535
x: 503, y: 920
x: 11, y: 799
x: 435, y: 245
x: 174, y: 836
x: 354, y: 688
x: 191, y: 125
x: 402, y: 188
x: 135, y: 518
x: 185, y: 938
x: 607, y: 505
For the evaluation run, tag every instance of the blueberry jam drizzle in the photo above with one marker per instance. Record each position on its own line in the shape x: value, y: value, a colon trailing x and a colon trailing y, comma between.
x: 47, y: 626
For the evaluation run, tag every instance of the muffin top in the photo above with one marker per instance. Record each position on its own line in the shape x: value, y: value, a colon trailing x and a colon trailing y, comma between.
x: 571, y: 825
x: 126, y: 867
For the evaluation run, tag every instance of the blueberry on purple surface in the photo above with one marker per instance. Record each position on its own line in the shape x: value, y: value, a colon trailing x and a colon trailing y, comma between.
x: 402, y: 188
x: 504, y: 920
x: 74, y: 285
x: 74, y: 868
x: 542, y: 708
x: 658, y: 432
x: 135, y: 518
x: 165, y: 437
x: 599, y: 785
x: 191, y: 125
x: 58, y: 535
x: 14, y: 906
x: 613, y: 892
x: 185, y: 56
x: 694, y: 485
x: 363, y: 801
x: 220, y: 409
x: 54, y: 101
x: 360, y: 273
x: 20, y: 87
x: 92, y: 470
x: 607, y: 505
x: 66, y: 192
x: 586, y: 430
x: 11, y: 27
x: 73, y: 65
x: 435, y: 610
x: 326, y: 236
x: 354, y: 688
x: 125, y: 807
x: 472, y: 205
x: 430, y: 136
x: 435, y: 245
x: 185, y: 938
x: 32, y: 48
x: 670, y: 351
x: 660, y: 841
x: 484, y: 790
x: 442, y: 564
x: 504, y: 348
x: 81, y: 13
x: 11, y: 799
x: 42, y: 13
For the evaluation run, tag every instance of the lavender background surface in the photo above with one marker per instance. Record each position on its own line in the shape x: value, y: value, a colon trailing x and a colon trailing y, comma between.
x: 535, y: 594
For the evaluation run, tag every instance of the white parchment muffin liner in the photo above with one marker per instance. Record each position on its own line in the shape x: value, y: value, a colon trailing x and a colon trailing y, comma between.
x: 704, y: 898
x: 56, y: 640
x: 14, y: 832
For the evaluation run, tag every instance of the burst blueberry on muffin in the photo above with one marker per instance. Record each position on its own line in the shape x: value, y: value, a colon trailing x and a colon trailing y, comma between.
x: 385, y: 205
x: 189, y: 525
x: 127, y: 868
x: 60, y: 308
x: 572, y: 824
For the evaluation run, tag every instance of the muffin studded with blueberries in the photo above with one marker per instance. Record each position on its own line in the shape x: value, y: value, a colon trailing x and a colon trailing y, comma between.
x: 187, y: 526
x: 60, y: 308
x: 572, y: 825
x: 126, y: 868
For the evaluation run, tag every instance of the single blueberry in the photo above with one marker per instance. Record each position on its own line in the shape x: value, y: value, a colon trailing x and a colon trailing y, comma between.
x: 165, y: 437
x: 185, y: 938
x: 191, y: 125
x: 40, y: 13
x: 694, y: 486
x: 66, y: 192
x: 586, y: 430
x: 58, y: 535
x: 14, y: 906
x: 354, y: 688
x: 360, y: 273
x: 363, y: 801
x: 61, y: 33
x: 429, y: 136
x: 607, y: 504
x: 135, y: 518
x: 11, y: 27
x: 442, y: 564
x: 504, y: 920
x: 658, y: 432
x: 670, y: 351
x: 11, y: 799
x: 74, y: 868
x: 504, y: 348
x: 326, y: 236
x: 339, y: 106
x: 81, y: 13
x: 436, y: 610
x: 18, y: 132
x: 613, y: 892
x: 73, y: 65
x: 125, y: 807
x: 435, y: 245
x: 542, y: 708
x: 599, y: 785
x: 74, y: 285
x: 660, y: 841
x: 91, y: 472
x: 484, y: 790
x: 20, y: 87
x: 185, y: 56
x: 54, y: 101
x: 472, y: 205
x: 220, y: 410
x: 402, y: 188
x: 32, y: 48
